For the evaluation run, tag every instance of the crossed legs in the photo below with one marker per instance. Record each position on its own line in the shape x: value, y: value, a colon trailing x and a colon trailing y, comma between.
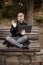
x: 17, y: 42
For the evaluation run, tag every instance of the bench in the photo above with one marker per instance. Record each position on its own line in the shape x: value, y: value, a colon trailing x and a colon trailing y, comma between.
x: 33, y: 47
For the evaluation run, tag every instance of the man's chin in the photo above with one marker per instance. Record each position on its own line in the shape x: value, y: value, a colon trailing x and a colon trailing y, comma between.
x: 21, y: 21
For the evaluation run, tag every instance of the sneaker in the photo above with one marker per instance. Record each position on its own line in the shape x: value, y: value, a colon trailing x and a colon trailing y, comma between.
x: 9, y: 45
x: 4, y: 42
x: 25, y: 47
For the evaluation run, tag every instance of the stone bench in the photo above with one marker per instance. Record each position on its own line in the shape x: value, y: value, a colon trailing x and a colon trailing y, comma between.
x: 14, y: 51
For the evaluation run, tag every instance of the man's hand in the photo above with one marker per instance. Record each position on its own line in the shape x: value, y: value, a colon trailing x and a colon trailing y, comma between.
x: 23, y: 32
x: 14, y: 23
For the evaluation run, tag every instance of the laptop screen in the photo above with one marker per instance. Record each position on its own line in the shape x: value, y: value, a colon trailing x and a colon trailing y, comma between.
x: 27, y: 28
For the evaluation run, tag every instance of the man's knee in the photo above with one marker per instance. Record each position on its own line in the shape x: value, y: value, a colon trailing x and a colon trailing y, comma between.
x: 24, y: 38
x: 7, y: 38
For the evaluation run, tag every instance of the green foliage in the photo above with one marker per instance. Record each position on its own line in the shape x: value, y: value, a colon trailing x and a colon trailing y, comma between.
x: 9, y: 9
x: 39, y: 20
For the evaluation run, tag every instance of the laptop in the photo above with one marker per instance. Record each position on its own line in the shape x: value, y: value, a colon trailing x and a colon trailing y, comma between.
x: 27, y: 28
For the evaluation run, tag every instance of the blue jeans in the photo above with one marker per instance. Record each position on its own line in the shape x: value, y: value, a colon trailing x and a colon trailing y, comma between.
x: 17, y: 42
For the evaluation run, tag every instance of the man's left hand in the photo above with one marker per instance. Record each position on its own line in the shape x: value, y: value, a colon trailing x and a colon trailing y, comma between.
x: 23, y: 32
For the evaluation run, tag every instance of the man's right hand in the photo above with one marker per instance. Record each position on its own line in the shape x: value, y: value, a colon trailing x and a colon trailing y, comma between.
x: 14, y: 23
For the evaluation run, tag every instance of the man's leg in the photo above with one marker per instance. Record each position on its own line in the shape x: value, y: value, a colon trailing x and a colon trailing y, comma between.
x: 22, y: 39
x: 12, y: 41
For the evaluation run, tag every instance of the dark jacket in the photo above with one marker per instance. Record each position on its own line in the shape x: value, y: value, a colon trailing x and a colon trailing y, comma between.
x: 14, y: 31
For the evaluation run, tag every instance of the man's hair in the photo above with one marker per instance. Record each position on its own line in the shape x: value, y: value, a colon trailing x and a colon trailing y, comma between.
x: 20, y: 14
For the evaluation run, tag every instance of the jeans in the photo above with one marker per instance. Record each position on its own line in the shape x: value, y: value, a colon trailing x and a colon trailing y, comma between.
x: 17, y: 42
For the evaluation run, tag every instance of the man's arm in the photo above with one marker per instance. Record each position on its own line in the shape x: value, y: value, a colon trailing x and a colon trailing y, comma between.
x: 13, y: 27
x: 14, y: 24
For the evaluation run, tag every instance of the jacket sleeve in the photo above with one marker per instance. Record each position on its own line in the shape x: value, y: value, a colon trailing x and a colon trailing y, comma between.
x: 14, y: 31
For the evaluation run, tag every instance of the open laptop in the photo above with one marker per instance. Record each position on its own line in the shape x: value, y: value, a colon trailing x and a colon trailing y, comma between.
x: 27, y: 28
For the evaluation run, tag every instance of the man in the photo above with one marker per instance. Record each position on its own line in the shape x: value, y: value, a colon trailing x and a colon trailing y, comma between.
x: 21, y: 40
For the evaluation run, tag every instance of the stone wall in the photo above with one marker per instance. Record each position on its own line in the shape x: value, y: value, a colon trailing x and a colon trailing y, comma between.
x: 40, y: 33
x: 41, y: 36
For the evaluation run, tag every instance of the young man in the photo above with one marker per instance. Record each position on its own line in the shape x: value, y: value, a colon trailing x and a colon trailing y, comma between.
x: 22, y: 39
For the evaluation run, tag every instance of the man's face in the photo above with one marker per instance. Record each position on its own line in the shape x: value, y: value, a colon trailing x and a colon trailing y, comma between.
x: 20, y: 18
